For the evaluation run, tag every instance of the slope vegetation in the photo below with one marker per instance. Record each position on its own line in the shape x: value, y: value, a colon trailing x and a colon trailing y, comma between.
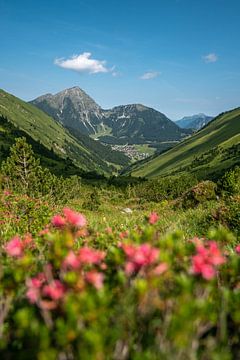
x: 53, y: 136
x: 207, y: 153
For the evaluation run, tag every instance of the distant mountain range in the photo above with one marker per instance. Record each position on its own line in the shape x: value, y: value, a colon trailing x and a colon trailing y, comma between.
x: 63, y: 130
x: 134, y: 124
x: 195, y: 122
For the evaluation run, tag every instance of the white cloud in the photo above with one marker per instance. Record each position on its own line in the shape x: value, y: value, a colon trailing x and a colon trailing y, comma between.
x: 83, y: 63
x: 150, y: 75
x: 210, y: 58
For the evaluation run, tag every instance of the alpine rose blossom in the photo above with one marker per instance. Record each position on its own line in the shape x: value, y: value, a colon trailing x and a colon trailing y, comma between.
x: 74, y: 218
x: 153, y: 218
x: 14, y: 247
x: 207, y: 259
x: 87, y: 255
x: 139, y: 256
x: 58, y: 221
x: 55, y: 290
x: 95, y: 278
x: 71, y: 261
x: 237, y: 249
x: 34, y: 284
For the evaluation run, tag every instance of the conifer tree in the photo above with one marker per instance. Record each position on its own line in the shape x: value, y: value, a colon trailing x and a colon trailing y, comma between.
x: 21, y: 169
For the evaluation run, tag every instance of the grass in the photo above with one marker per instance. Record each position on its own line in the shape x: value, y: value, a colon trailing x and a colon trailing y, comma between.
x: 52, y: 135
x: 223, y: 132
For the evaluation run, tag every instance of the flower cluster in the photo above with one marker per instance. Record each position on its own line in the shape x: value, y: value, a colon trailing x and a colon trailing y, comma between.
x: 207, y: 259
x: 16, y: 246
x: 139, y: 257
x: 71, y: 218
x: 45, y: 291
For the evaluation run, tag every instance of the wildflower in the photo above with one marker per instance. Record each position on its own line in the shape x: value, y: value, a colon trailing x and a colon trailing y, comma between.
x: 237, y: 249
x: 109, y: 230
x: 58, y: 221
x: 153, y: 218
x: 139, y: 256
x: 14, y: 247
x: 55, y: 290
x: 95, y: 278
x: 74, y: 218
x: 71, y: 261
x: 28, y: 240
x: 207, y: 259
x: 87, y: 255
x: 160, y: 269
x: 124, y: 234
x: 44, y: 232
x: 34, y: 284
x: 33, y: 294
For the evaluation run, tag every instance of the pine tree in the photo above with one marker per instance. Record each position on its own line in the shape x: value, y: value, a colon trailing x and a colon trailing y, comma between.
x: 21, y: 169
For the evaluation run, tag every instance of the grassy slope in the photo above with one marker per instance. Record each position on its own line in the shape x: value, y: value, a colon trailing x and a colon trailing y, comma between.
x: 43, y: 129
x: 223, y: 132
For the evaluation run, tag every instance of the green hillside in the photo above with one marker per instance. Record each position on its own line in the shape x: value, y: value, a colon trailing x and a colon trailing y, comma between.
x: 207, y: 153
x: 52, y: 135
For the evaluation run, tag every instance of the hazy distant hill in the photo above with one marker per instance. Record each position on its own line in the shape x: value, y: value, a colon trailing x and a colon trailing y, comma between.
x: 195, y: 122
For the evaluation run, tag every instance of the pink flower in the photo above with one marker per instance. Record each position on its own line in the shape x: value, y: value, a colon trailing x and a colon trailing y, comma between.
x: 124, y: 234
x: 34, y: 285
x: 95, y: 278
x: 14, y: 247
x: 44, y: 232
x: 33, y: 295
x: 139, y: 256
x: 207, y: 259
x: 58, y: 221
x: 109, y: 230
x: 55, y: 290
x: 153, y: 218
x: 28, y: 240
x: 74, y: 218
x: 160, y: 269
x: 71, y: 261
x: 87, y: 255
x: 237, y: 249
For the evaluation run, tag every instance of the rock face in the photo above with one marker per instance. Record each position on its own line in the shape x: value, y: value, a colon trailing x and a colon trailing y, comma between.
x: 72, y: 108
x: 195, y: 122
x: 127, y: 123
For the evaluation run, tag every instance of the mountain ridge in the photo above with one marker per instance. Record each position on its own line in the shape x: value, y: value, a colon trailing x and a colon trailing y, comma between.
x: 131, y: 123
x: 53, y: 136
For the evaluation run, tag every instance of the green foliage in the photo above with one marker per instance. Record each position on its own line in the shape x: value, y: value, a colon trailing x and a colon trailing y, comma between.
x: 166, y: 188
x: 163, y: 309
x: 93, y: 202
x: 22, y: 171
x: 230, y: 182
x: 198, y: 194
x: 207, y: 153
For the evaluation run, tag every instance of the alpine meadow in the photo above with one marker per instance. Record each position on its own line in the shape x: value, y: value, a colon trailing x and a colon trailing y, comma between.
x: 119, y: 180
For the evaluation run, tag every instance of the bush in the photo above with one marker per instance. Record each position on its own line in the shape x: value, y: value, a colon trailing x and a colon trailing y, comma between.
x: 230, y: 182
x: 199, y: 194
x: 229, y: 214
x: 147, y: 298
x: 166, y: 188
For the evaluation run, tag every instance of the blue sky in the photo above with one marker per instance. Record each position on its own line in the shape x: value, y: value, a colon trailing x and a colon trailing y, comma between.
x: 179, y: 56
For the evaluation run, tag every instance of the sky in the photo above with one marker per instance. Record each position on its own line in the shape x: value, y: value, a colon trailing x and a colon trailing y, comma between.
x: 181, y: 57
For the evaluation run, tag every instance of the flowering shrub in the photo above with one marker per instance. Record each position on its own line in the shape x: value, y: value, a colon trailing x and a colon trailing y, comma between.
x: 148, y: 297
